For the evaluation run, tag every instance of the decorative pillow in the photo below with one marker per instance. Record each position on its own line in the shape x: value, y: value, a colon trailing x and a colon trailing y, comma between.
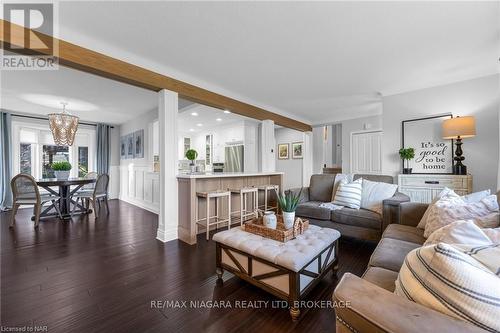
x: 338, y: 178
x: 373, y: 193
x: 459, y: 232
x: 493, y: 234
x: 455, y: 280
x: 349, y: 194
x: 476, y: 196
x: 446, y: 194
x: 484, y: 213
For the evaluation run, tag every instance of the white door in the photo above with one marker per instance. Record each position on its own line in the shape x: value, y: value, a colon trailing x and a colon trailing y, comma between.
x: 366, y: 152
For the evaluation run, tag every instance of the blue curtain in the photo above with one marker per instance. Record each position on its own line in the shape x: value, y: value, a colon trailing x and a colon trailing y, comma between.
x: 6, y: 159
x: 103, y: 148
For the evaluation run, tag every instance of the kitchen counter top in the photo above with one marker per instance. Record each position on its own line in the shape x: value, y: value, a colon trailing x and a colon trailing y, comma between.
x: 227, y: 174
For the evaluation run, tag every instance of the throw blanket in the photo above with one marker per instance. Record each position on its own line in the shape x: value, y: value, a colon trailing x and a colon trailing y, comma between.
x: 330, y: 206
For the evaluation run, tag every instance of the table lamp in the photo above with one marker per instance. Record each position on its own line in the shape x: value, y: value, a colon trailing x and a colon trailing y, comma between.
x: 457, y: 129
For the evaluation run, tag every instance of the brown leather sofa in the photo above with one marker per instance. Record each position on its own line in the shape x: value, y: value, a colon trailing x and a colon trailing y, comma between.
x: 357, y: 223
x: 372, y: 305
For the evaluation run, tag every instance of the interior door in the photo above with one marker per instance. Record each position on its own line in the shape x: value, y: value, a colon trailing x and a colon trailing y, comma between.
x: 366, y: 152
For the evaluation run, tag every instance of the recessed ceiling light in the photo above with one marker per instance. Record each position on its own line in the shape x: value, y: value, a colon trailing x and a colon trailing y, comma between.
x: 195, y: 114
x: 199, y: 125
x: 227, y: 111
x: 219, y: 119
x: 191, y: 130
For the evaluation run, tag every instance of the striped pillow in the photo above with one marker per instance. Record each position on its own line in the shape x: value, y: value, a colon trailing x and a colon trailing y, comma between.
x: 457, y: 280
x: 349, y: 194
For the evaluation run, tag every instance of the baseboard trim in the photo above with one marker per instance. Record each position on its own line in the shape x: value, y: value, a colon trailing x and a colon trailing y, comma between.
x: 142, y: 205
x: 167, y: 235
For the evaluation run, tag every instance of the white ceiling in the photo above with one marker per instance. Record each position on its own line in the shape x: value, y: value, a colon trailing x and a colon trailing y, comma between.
x: 317, y: 61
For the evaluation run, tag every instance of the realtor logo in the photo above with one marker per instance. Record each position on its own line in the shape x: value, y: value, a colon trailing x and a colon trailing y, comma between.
x: 32, y: 49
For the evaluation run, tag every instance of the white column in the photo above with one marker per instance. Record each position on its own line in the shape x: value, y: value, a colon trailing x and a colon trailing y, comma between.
x: 268, y: 147
x: 167, y: 114
x: 307, y: 159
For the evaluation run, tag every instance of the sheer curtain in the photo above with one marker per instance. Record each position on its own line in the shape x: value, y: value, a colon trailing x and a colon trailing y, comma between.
x: 5, y: 162
x: 103, y: 148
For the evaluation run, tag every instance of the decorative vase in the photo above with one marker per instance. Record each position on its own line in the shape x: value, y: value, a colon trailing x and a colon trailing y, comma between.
x: 62, y: 175
x: 288, y: 219
x: 270, y: 220
x: 407, y: 171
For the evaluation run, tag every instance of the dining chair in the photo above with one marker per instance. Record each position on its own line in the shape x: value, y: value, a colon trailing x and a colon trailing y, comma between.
x: 25, y: 192
x: 100, y: 193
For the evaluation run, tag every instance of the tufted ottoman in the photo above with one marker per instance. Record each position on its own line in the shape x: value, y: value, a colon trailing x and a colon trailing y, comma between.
x: 286, y: 270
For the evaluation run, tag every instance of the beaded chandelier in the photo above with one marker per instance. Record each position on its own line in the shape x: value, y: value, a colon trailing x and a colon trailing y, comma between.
x: 63, y: 126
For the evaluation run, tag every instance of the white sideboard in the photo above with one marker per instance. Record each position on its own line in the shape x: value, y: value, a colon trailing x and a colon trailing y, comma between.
x: 423, y: 188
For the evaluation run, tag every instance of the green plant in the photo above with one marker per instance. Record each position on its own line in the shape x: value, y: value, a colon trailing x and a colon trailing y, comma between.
x: 407, y: 154
x: 288, y: 202
x: 191, y: 154
x: 61, y: 166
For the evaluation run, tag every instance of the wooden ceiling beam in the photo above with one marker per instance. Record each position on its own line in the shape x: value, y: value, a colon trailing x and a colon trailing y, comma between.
x: 86, y: 60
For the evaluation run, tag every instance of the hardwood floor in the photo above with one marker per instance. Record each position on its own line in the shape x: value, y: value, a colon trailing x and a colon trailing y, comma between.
x: 101, y: 276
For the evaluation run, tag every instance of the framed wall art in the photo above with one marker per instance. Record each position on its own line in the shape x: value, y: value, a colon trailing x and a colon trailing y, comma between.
x: 283, y: 151
x: 130, y: 145
x: 139, y: 144
x: 297, y: 149
x: 433, y: 154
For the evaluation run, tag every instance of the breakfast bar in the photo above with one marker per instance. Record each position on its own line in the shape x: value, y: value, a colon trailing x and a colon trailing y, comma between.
x: 191, y: 183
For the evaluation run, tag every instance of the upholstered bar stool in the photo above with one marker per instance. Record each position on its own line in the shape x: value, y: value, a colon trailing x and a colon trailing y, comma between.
x: 244, y: 194
x: 266, y: 189
x: 208, y: 220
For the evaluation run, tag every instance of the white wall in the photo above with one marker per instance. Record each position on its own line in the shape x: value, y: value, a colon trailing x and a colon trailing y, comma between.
x: 355, y: 125
x: 139, y: 185
x: 291, y: 167
x: 478, y: 97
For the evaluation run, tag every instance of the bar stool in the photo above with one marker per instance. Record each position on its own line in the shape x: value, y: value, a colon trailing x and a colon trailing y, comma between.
x: 218, y: 194
x: 243, y: 193
x: 266, y: 189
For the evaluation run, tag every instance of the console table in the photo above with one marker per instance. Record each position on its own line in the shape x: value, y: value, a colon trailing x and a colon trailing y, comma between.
x: 423, y: 188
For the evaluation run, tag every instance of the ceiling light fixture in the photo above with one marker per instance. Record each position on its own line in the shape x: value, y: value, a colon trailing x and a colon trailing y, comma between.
x: 63, y: 127
x: 219, y: 119
x: 191, y: 130
x: 199, y: 125
x: 227, y: 111
x: 195, y: 114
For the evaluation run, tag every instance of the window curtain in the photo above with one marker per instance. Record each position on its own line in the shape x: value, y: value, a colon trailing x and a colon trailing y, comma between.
x: 6, y: 160
x: 103, y: 148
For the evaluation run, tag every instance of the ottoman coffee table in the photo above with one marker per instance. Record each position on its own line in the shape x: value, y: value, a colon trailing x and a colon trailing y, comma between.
x: 287, y: 270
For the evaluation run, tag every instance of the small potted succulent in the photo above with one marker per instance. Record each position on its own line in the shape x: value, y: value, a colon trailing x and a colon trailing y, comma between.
x: 288, y: 203
x: 407, y: 154
x: 191, y: 155
x: 61, y: 169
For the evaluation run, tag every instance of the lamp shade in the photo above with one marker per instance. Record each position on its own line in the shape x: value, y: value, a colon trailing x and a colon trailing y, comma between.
x: 463, y: 127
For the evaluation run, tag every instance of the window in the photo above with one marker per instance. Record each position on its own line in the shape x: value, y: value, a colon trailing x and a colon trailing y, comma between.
x: 208, y: 149
x: 187, y: 145
x: 25, y: 158
x: 51, y: 154
x: 83, y: 161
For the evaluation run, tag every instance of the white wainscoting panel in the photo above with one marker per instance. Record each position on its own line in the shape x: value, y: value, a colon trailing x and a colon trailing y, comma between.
x: 140, y: 186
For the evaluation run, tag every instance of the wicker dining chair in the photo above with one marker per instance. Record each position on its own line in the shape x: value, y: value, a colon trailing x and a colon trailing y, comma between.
x: 100, y: 193
x: 25, y: 192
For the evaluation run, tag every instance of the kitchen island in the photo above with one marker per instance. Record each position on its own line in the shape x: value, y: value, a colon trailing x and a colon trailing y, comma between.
x: 190, y: 183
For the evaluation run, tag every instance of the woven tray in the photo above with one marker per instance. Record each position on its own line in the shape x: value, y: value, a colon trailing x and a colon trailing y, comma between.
x: 256, y: 226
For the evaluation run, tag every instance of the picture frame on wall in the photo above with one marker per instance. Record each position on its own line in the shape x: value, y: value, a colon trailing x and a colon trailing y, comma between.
x: 139, y: 144
x: 130, y: 145
x: 283, y: 151
x: 123, y: 147
x: 433, y: 154
x: 297, y: 150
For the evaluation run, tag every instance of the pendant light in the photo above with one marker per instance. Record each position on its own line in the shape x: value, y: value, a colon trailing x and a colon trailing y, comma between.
x: 63, y: 126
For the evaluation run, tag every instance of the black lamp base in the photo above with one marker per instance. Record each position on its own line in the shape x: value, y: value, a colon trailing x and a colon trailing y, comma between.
x: 459, y: 169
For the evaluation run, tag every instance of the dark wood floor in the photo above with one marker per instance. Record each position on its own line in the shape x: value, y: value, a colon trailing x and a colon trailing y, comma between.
x: 88, y: 276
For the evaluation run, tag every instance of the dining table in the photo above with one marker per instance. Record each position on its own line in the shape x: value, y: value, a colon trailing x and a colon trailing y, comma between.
x: 65, y: 193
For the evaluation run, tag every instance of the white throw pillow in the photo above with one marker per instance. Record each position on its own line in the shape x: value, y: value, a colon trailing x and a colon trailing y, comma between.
x: 458, y: 281
x: 484, y: 213
x: 349, y: 194
x: 445, y: 194
x: 476, y: 196
x: 459, y: 232
x: 373, y: 193
x: 338, y: 178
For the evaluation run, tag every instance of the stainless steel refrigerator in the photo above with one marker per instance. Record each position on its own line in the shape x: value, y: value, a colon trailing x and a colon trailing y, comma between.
x: 234, y: 156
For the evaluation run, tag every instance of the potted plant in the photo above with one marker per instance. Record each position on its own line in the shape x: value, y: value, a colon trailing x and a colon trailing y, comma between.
x: 288, y: 203
x: 407, y: 154
x: 191, y: 155
x: 61, y: 169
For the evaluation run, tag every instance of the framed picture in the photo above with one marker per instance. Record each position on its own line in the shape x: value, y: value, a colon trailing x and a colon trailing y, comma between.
x: 283, y: 151
x: 433, y: 154
x: 139, y: 144
x: 123, y: 147
x: 130, y: 145
x: 297, y: 150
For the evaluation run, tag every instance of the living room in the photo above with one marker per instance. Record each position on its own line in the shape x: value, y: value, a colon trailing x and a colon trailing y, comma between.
x: 244, y: 166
